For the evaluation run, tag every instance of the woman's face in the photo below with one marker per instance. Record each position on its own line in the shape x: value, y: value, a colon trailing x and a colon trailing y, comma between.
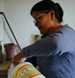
x: 42, y: 21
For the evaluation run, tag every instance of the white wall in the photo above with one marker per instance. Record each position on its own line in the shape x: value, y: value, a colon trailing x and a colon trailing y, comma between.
x: 1, y: 5
x: 18, y: 14
x: 1, y: 22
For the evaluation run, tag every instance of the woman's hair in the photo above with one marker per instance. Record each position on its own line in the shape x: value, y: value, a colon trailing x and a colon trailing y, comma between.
x: 48, y: 5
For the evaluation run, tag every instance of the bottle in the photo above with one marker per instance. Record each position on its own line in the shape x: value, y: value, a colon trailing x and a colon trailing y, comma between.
x: 2, y: 53
x: 26, y: 70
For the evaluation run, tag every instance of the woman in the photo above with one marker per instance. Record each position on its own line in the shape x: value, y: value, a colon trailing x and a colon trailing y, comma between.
x: 55, y: 52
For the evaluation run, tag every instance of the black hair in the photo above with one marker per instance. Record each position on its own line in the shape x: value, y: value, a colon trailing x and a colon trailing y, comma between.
x: 48, y: 5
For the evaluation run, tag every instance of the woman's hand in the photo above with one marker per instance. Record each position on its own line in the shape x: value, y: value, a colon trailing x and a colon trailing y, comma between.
x: 16, y: 60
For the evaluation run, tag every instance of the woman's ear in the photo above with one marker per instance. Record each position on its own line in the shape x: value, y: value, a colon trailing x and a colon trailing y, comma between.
x: 52, y: 15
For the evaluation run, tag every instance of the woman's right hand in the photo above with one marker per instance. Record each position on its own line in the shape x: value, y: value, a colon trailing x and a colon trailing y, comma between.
x: 17, y: 58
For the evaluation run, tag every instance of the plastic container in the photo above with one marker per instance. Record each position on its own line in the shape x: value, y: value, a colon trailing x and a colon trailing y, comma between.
x: 24, y: 70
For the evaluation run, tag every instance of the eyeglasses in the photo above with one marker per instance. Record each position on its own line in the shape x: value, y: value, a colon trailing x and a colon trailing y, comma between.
x: 40, y: 16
